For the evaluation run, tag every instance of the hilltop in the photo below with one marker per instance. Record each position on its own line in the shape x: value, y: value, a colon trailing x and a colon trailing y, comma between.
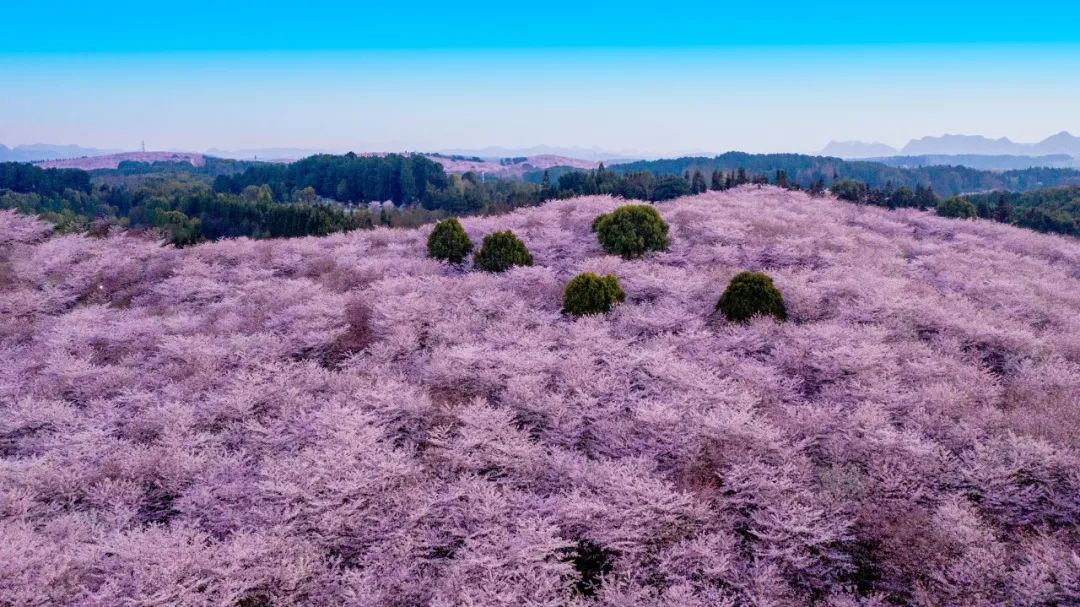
x: 496, y: 168
x: 341, y: 420
x: 112, y: 161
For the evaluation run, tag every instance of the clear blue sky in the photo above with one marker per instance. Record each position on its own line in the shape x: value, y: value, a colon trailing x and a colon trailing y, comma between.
x: 655, y: 77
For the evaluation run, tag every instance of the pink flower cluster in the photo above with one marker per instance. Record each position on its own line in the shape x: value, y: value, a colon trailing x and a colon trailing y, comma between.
x: 342, y: 421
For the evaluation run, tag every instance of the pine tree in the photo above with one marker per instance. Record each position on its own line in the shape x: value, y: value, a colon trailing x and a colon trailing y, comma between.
x: 717, y: 180
x: 781, y: 178
x: 751, y: 294
x: 697, y: 184
x: 449, y: 242
x: 546, y: 192
x: 501, y: 251
x: 1003, y: 211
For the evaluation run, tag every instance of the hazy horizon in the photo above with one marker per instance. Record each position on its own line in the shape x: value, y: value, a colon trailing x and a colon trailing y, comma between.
x: 437, y: 77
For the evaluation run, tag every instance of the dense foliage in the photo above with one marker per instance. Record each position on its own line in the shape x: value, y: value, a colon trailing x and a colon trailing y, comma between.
x: 501, y: 251
x: 449, y: 242
x: 345, y: 178
x: 344, y: 421
x: 27, y: 178
x: 631, y: 231
x: 252, y: 198
x: 588, y: 293
x: 1047, y: 210
x: 751, y: 294
x: 804, y: 171
x: 956, y: 208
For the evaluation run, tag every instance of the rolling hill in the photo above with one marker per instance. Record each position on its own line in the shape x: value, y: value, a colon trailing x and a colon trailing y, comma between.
x: 112, y: 161
x: 341, y: 420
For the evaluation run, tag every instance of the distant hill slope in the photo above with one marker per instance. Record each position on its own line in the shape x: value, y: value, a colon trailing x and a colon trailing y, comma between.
x: 112, y: 161
x: 510, y: 168
x: 342, y: 420
x: 42, y: 151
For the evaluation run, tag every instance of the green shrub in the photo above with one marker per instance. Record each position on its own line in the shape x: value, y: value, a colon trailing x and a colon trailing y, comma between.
x: 449, y: 242
x: 591, y: 294
x: 631, y: 231
x: 751, y: 294
x: 957, y: 207
x: 500, y: 251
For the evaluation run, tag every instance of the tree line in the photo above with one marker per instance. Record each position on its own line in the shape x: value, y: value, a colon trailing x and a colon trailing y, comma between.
x: 324, y: 194
x: 806, y: 170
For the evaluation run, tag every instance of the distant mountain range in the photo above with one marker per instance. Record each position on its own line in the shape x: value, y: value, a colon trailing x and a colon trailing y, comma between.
x: 1061, y: 143
x: 858, y: 149
x: 44, y: 151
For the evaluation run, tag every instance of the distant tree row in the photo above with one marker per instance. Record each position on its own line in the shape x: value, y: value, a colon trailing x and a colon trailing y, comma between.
x: 23, y: 177
x: 322, y: 194
x: 888, y: 196
x: 1055, y: 210
x: 806, y: 170
x: 348, y: 178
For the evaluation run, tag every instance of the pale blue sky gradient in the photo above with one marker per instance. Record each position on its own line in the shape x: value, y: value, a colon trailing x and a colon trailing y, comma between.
x: 647, y: 77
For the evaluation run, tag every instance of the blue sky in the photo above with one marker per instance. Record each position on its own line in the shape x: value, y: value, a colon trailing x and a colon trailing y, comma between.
x: 652, y: 77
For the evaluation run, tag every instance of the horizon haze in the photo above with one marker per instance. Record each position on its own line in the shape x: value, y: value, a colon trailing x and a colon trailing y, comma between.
x: 647, y: 84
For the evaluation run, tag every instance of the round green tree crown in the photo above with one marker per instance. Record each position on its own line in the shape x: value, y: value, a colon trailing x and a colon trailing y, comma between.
x: 957, y: 207
x: 500, y: 251
x: 449, y: 242
x: 591, y: 294
x: 751, y: 294
x: 631, y: 231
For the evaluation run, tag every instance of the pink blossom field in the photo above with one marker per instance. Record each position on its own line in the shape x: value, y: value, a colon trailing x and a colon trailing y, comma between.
x: 343, y: 421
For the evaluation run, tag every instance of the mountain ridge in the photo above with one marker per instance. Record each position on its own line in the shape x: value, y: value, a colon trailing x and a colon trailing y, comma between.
x: 1062, y: 142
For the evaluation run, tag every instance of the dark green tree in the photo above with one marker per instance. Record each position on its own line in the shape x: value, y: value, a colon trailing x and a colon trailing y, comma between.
x: 697, y: 183
x: 546, y: 191
x: 717, y: 180
x: 1003, y: 210
x: 751, y: 294
x: 632, y: 231
x: 849, y: 190
x: 591, y: 294
x: 925, y: 197
x: 957, y: 207
x: 668, y: 187
x: 781, y: 178
x: 449, y: 242
x: 500, y: 251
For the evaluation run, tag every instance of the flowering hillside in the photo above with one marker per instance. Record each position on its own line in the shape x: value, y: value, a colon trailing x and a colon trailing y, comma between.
x: 343, y: 421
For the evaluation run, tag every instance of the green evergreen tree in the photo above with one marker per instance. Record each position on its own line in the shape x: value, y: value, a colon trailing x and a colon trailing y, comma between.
x: 449, y: 242
x: 925, y: 197
x: 632, y: 231
x: 751, y: 294
x: 500, y: 251
x: 591, y: 294
x: 717, y: 180
x: 668, y: 187
x: 1003, y: 210
x: 697, y: 183
x: 781, y: 178
x: 957, y: 207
